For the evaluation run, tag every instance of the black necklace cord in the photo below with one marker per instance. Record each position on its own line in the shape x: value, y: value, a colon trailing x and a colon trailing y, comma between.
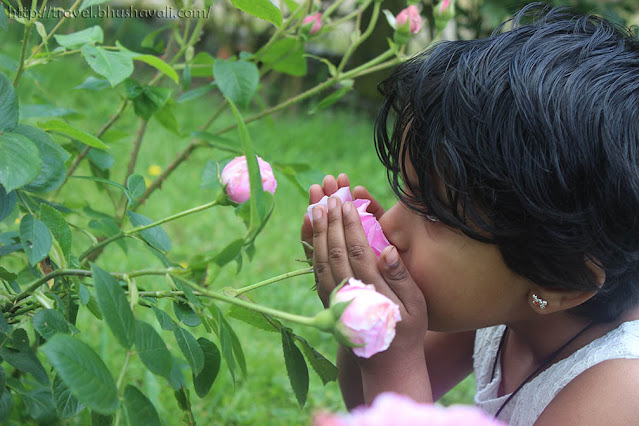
x: 537, y: 370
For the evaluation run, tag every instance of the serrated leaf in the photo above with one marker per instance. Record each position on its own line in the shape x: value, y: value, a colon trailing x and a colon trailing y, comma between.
x: 287, y: 56
x: 152, y: 349
x: 322, y: 366
x: 250, y: 317
x: 115, y: 66
x: 22, y: 357
x: 238, y: 352
x: 333, y: 97
x: 296, y: 368
x: 140, y: 411
x: 165, y: 321
x: 237, y: 80
x: 35, y: 239
x: 262, y: 9
x: 78, y: 39
x: 84, y: 373
x: 66, y: 404
x: 7, y: 203
x: 38, y: 403
x: 66, y: 129
x: 160, y: 65
x: 48, y: 322
x: 45, y: 111
x: 19, y: 160
x: 136, y: 186
x: 202, y: 382
x: 230, y: 252
x: 196, y: 93
x: 167, y: 119
x: 114, y: 306
x: 9, y: 108
x: 58, y: 226
x: 185, y: 314
x: 190, y: 348
x: 155, y: 236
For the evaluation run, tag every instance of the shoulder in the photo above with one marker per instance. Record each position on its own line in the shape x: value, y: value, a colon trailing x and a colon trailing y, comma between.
x: 606, y: 393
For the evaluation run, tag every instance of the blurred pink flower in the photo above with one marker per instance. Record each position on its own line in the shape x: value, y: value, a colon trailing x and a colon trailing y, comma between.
x: 411, y: 15
x: 443, y: 6
x: 398, y: 410
x: 370, y: 318
x: 236, y: 178
x: 376, y: 238
x: 316, y: 20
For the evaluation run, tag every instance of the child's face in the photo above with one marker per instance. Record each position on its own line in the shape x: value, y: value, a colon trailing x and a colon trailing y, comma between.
x: 465, y: 282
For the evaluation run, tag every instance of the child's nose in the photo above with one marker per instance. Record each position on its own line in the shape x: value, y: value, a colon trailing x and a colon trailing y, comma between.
x: 391, y: 222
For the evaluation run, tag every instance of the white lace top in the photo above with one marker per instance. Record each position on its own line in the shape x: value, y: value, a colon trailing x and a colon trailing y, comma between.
x: 532, y: 399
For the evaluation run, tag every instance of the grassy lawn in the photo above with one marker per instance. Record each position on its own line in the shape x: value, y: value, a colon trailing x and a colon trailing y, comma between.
x: 331, y: 141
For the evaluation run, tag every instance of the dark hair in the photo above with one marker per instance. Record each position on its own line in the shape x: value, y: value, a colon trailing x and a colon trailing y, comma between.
x: 529, y: 140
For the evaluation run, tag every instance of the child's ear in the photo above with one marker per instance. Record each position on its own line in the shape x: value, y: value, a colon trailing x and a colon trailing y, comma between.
x: 547, y: 301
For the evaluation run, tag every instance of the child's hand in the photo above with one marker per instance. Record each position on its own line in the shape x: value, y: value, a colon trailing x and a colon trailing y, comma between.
x: 341, y: 250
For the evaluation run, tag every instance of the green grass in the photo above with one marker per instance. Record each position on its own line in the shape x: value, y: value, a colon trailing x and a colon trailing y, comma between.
x: 331, y: 141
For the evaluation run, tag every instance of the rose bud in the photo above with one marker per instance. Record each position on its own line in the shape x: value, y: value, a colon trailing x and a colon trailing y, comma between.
x: 376, y: 238
x: 390, y: 408
x: 369, y: 320
x: 235, y: 177
x: 315, y: 20
x: 411, y: 16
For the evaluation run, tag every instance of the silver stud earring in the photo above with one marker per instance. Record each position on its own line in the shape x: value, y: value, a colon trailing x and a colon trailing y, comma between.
x: 539, y: 301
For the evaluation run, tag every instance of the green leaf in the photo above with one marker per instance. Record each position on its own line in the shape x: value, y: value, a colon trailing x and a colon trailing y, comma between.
x: 66, y: 129
x: 37, y: 136
x: 103, y: 160
x: 347, y: 86
x: 48, y: 322
x: 38, y: 403
x: 35, y: 238
x: 287, y: 56
x: 66, y: 404
x: 6, y: 405
x: 152, y: 349
x: 190, y: 348
x: 115, y: 66
x: 238, y: 352
x: 3, y: 383
x: 212, y: 359
x: 256, y: 202
x: 251, y: 317
x: 89, y: 3
x: 202, y: 65
x: 136, y: 185
x: 114, y: 306
x: 167, y: 119
x: 322, y: 366
x: 108, y: 182
x: 93, y: 83
x: 82, y: 370
x: 7, y: 203
x: 53, y: 170
x: 78, y: 39
x: 18, y: 353
x: 263, y: 9
x: 237, y: 80
x: 230, y: 252
x: 7, y: 276
x: 19, y: 160
x: 185, y: 314
x: 58, y: 226
x: 8, y: 105
x: 196, y: 93
x: 165, y: 321
x: 98, y: 419
x: 295, y: 367
x: 160, y: 65
x: 155, y: 236
x: 3, y: 25
x: 140, y: 411
x: 44, y: 110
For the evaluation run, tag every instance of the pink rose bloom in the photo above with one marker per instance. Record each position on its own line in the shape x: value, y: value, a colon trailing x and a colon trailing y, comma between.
x: 376, y: 238
x: 236, y: 178
x: 316, y: 20
x: 443, y: 6
x: 370, y: 318
x: 410, y: 14
x: 399, y: 410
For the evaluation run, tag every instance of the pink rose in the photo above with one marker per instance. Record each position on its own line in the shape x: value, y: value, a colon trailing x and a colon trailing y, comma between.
x: 316, y: 20
x: 399, y: 410
x: 236, y: 178
x: 376, y: 238
x: 443, y: 6
x: 370, y: 318
x: 410, y: 14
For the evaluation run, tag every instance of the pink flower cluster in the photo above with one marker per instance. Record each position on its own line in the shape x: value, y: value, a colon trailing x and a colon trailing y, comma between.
x: 376, y: 238
x: 398, y: 410
x: 235, y: 177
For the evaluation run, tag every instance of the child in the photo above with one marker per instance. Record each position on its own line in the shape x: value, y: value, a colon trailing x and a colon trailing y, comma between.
x: 516, y: 238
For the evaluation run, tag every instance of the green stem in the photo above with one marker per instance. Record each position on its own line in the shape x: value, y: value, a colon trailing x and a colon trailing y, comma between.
x: 363, y: 37
x: 298, y: 319
x: 23, y: 53
x: 141, y: 228
x: 19, y: 193
x: 123, y: 370
x: 282, y: 277
x: 332, y: 8
x: 74, y: 6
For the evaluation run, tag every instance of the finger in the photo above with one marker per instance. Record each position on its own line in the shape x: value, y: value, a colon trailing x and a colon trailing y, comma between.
x: 337, y: 253
x: 361, y: 257
x: 330, y: 185
x: 342, y: 180
x: 307, y: 235
x: 400, y: 282
x: 321, y: 265
x: 374, y: 207
x: 315, y: 193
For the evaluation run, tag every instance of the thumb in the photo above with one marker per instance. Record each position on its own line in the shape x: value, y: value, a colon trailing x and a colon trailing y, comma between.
x: 400, y: 281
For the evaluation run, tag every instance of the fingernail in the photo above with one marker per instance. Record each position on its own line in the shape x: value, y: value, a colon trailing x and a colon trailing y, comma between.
x: 331, y: 203
x: 346, y: 208
x: 392, y: 258
x: 317, y: 213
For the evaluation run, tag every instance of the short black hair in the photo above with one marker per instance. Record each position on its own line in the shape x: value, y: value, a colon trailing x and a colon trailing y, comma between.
x: 528, y: 139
